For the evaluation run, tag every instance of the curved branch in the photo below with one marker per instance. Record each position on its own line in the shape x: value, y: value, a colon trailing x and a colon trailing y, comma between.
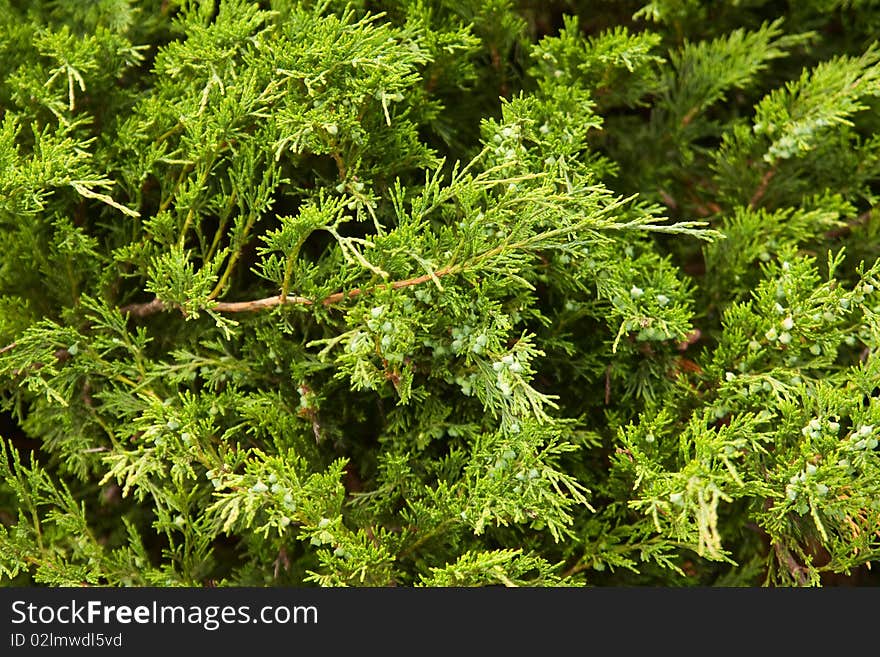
x: 157, y: 305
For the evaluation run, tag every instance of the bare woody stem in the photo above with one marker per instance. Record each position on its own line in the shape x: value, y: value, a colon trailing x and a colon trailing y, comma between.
x: 848, y: 226
x: 157, y: 305
x: 144, y: 309
x: 258, y: 304
x: 796, y: 570
x: 762, y: 188
x: 395, y: 285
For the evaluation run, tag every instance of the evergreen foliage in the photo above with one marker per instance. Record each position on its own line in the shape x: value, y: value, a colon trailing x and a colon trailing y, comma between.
x: 434, y: 293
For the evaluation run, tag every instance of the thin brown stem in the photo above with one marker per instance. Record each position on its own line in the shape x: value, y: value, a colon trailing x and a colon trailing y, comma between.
x: 687, y: 118
x: 608, y: 385
x: 797, y: 571
x: 144, y: 309
x: 848, y: 226
x: 395, y: 285
x: 156, y: 305
x: 8, y: 347
x: 340, y: 164
x: 580, y: 566
x: 762, y: 188
x: 258, y: 304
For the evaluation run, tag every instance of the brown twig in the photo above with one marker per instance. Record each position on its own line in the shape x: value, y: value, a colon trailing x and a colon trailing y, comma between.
x: 282, y: 562
x: 796, y: 570
x: 395, y: 285
x: 8, y: 347
x: 667, y: 199
x: 340, y: 164
x: 157, y: 305
x: 687, y: 118
x: 608, y: 385
x: 144, y: 309
x: 762, y: 188
x: 576, y: 568
x: 847, y: 228
x: 258, y: 304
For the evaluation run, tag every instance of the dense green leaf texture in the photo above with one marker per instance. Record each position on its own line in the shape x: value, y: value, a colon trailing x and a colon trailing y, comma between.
x: 430, y: 293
